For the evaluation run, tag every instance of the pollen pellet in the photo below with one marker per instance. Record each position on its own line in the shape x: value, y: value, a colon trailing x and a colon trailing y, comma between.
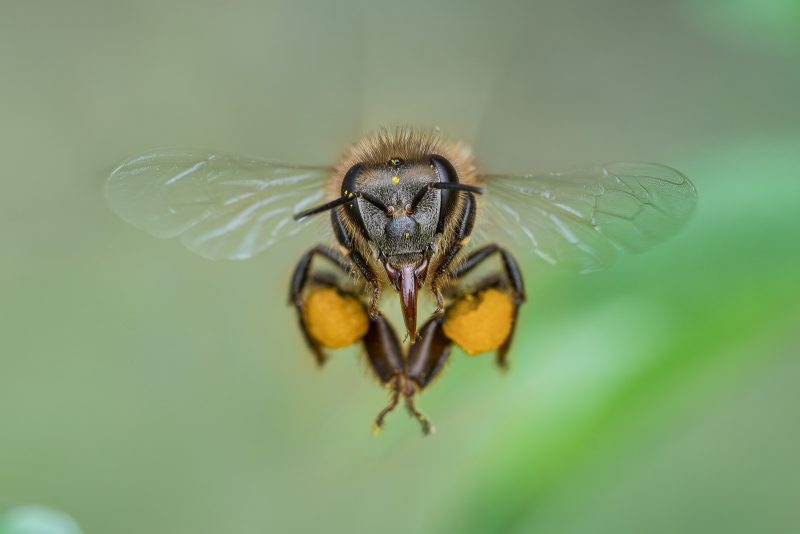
x: 333, y: 319
x: 481, y: 323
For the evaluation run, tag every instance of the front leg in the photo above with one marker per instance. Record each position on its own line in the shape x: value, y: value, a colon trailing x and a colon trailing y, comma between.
x: 347, y: 242
x: 461, y: 238
x: 372, y: 279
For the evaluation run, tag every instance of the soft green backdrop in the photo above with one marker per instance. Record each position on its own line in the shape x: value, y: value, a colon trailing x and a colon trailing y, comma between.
x: 145, y: 390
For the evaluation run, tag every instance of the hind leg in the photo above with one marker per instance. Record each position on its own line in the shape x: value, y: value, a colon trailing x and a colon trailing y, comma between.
x: 385, y: 356
x: 329, y: 314
x: 506, y: 299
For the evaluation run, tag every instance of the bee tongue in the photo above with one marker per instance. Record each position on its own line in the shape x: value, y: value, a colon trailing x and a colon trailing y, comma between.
x: 407, y: 277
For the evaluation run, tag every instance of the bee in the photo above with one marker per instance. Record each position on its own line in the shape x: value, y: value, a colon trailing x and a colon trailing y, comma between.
x: 402, y: 205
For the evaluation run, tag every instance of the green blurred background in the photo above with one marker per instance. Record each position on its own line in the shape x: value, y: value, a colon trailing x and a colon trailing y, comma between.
x: 144, y: 389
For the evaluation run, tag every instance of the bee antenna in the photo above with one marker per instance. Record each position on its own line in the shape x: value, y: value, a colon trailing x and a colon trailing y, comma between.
x: 457, y: 186
x: 341, y: 201
x: 325, y: 207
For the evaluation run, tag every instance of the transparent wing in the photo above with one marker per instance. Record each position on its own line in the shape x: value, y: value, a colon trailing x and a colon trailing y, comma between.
x: 580, y: 219
x: 221, y: 206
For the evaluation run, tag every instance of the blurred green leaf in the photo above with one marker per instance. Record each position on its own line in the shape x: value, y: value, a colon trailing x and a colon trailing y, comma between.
x: 37, y: 520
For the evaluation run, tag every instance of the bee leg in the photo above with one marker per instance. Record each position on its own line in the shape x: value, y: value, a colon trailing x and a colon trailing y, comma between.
x: 437, y: 292
x: 427, y: 427
x: 510, y: 267
x: 500, y: 356
x: 460, y: 239
x: 385, y: 356
x: 347, y: 244
x: 300, y: 280
x: 426, y: 359
x: 428, y: 354
x: 512, y: 274
x: 389, y: 407
x: 497, y: 281
x: 303, y: 267
x: 372, y: 279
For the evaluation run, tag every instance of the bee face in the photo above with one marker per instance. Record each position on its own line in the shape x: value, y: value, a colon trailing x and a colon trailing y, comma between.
x: 401, y: 205
x: 401, y: 228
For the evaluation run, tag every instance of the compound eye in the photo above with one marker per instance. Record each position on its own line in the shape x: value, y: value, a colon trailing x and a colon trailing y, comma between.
x: 444, y: 169
x: 447, y: 174
x: 349, y: 180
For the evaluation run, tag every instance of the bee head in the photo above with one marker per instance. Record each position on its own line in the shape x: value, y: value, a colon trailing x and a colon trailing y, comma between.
x: 400, y: 207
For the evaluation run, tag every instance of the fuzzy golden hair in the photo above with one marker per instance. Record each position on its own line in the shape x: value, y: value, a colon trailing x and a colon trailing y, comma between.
x: 409, y: 144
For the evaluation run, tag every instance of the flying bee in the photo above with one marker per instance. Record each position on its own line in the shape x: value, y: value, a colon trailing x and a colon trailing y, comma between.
x: 402, y: 206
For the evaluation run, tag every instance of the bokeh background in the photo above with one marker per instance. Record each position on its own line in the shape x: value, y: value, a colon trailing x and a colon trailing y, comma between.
x: 144, y: 389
